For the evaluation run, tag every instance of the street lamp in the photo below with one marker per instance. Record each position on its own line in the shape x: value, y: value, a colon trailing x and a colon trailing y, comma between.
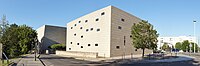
x: 194, y: 36
x: 190, y: 47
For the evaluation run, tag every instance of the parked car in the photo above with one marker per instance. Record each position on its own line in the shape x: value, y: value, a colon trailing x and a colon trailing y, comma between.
x: 175, y: 50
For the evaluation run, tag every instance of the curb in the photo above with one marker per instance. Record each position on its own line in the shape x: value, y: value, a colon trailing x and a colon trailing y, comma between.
x: 11, y: 64
x: 16, y: 62
x: 41, y: 61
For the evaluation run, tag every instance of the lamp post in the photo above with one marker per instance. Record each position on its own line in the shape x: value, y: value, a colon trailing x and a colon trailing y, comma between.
x: 194, y: 36
x: 190, y: 47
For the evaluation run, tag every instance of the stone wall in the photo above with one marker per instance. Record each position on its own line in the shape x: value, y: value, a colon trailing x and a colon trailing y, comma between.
x: 77, y: 54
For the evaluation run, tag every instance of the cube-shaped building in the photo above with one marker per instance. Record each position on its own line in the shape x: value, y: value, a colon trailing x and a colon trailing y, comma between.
x: 106, y: 32
x: 49, y: 35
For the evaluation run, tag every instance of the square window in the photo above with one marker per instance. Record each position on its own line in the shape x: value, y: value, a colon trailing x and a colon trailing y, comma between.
x: 122, y: 20
x: 79, y: 21
x: 81, y: 27
x: 77, y: 43
x: 119, y: 27
x: 81, y: 36
x: 86, y: 20
x: 88, y: 44
x: 75, y: 34
x: 97, y: 19
x: 102, y: 13
x: 96, y: 44
x: 117, y: 47
x: 98, y: 29
x: 69, y: 48
x: 81, y: 46
x: 74, y: 24
x: 71, y: 27
x: 135, y: 49
x: 70, y: 42
x: 91, y: 29
x: 87, y: 30
x: 130, y: 36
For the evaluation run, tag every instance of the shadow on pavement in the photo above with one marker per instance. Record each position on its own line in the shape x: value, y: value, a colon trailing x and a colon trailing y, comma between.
x: 178, y: 63
x: 15, y: 64
x: 117, y: 62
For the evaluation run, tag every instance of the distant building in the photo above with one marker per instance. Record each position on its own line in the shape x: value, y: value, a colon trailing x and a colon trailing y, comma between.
x: 48, y: 35
x: 174, y: 40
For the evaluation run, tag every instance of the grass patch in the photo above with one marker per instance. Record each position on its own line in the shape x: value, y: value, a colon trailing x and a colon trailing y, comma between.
x: 5, y: 62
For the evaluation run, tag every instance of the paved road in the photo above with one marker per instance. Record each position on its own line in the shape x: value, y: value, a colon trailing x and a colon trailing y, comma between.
x: 53, y: 60
x: 183, y: 63
x: 195, y: 55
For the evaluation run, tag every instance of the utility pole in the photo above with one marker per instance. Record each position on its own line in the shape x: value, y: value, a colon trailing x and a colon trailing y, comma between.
x: 35, y: 49
x: 194, y: 36
x: 190, y: 48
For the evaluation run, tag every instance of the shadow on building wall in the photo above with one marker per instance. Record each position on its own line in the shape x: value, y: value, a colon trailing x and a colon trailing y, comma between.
x: 45, y: 43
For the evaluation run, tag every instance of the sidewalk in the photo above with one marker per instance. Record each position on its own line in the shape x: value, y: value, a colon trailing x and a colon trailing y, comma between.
x: 29, y: 61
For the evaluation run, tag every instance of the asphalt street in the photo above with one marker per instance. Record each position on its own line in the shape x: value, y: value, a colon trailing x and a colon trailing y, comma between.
x: 53, y: 60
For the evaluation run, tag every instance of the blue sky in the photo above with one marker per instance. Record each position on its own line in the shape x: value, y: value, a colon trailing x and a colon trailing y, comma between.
x: 169, y: 17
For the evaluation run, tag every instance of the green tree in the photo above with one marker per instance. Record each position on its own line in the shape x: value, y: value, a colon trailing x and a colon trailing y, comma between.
x: 9, y: 41
x: 165, y: 47
x: 58, y: 46
x: 185, y: 45
x: 144, y: 36
x: 27, y: 37
x: 178, y: 45
x: 18, y: 40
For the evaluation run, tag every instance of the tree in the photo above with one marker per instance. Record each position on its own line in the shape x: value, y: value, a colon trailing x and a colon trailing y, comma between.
x: 165, y: 47
x: 18, y: 40
x: 185, y: 45
x: 9, y: 41
x: 3, y: 25
x: 178, y: 45
x: 144, y: 36
x: 27, y: 37
x: 58, y: 46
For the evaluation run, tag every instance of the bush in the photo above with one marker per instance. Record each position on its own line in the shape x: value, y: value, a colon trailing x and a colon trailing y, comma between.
x: 58, y: 46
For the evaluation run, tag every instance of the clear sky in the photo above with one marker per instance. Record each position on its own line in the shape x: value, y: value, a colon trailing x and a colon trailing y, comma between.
x: 169, y: 17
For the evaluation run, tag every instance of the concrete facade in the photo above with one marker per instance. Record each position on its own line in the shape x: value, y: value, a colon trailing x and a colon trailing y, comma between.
x: 77, y: 54
x: 48, y: 35
x: 106, y: 32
